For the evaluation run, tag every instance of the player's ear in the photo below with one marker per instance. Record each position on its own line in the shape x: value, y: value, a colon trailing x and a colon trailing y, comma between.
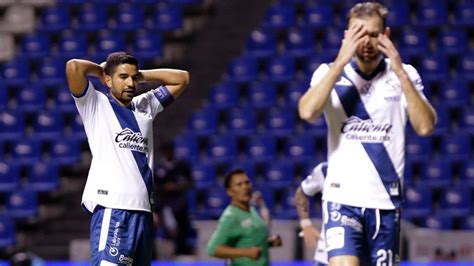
x: 387, y: 32
x: 108, y: 81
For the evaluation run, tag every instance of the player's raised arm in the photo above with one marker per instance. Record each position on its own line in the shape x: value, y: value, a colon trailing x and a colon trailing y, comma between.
x: 175, y: 80
x: 77, y: 71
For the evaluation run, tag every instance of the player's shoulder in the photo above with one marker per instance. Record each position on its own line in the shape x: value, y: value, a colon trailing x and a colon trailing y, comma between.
x: 408, y: 67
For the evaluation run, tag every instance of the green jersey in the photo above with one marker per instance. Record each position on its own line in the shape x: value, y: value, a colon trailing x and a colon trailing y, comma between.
x: 241, y: 229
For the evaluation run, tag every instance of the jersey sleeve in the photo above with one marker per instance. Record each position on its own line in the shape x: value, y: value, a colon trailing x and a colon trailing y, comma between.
x: 314, y: 182
x: 87, y: 103
x: 224, y: 234
x: 319, y: 74
x: 157, y: 100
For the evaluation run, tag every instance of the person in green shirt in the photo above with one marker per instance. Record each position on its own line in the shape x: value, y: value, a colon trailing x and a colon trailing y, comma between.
x: 242, y: 234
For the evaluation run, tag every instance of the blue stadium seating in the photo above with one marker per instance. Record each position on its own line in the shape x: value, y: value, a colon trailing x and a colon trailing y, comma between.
x: 465, y: 67
x: 331, y: 41
x: 318, y: 128
x: 92, y: 17
x: 313, y: 62
x: 4, y: 97
x: 42, y: 176
x: 467, y: 173
x: 398, y: 15
x: 65, y: 151
x: 279, y: 17
x: 288, y: 204
x: 456, y: 147
x: 243, y: 69
x: 108, y: 42
x: 248, y: 166
x: 147, y: 45
x: 25, y: 151
x: 318, y: 16
x: 224, y: 95
x: 431, y: 14
x: 456, y: 201
x: 455, y: 93
x: 278, y: 174
x: 35, y: 45
x: 12, y: 124
x: 203, y: 122
x: 22, y: 204
x: 260, y: 148
x: 443, y: 123
x: 436, y: 174
x: 466, y: 120
x: 72, y: 44
x: 16, y: 72
x: 48, y: 125
x: 204, y: 174
x: 413, y: 42
x: 281, y: 69
x: 50, y: 72
x: 129, y: 17
x: 222, y: 148
x: 31, y: 98
x: 241, y: 122
x: 418, y: 202
x: 299, y: 43
x: 215, y: 201
x: 77, y: 127
x: 55, y: 18
x: 261, y: 95
x: 186, y: 147
x: 438, y: 222
x: 9, y: 176
x: 418, y: 148
x: 262, y: 43
x: 468, y: 223
x: 293, y: 92
x: 464, y: 14
x: 63, y: 100
x: 7, y: 232
x: 452, y: 41
x: 299, y: 148
x: 280, y: 122
x: 434, y: 67
x: 168, y: 18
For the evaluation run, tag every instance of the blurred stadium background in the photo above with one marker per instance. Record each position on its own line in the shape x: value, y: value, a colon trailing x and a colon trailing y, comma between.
x: 250, y: 61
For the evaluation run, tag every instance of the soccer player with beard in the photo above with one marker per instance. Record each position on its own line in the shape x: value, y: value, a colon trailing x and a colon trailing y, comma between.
x: 119, y: 128
x: 367, y: 94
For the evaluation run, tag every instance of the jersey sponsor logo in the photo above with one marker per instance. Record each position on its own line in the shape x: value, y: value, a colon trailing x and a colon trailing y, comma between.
x: 116, y: 239
x: 351, y: 222
x: 113, y: 251
x: 335, y: 238
x: 126, y: 260
x: 361, y: 130
x: 127, y: 139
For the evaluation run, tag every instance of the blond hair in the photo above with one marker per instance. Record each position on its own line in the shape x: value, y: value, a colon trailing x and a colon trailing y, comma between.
x: 367, y: 9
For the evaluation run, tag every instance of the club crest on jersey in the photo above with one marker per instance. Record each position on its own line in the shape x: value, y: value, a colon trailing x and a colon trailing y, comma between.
x: 366, y: 89
x: 128, y: 139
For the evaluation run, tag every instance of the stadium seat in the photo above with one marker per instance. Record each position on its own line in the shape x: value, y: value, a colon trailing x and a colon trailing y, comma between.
x: 418, y: 202
x: 65, y: 151
x: 147, y: 45
x: 431, y: 14
x: 186, y: 147
x: 26, y: 151
x: 31, y: 98
x: 108, y: 42
x: 413, y: 42
x: 456, y: 147
x: 456, y: 201
x: 7, y: 232
x: 318, y: 128
x: 261, y: 148
x: 418, y: 148
x: 50, y: 72
x: 398, y: 15
x: 241, y: 122
x: 465, y: 67
x: 464, y: 14
x: 72, y: 44
x: 9, y: 176
x: 452, y: 41
x: 222, y: 148
x: 261, y: 95
x: 434, y: 68
x: 299, y: 43
x: 168, y: 18
x: 466, y: 120
x: 243, y: 69
x: 262, y: 43
x: 293, y: 92
x: 443, y: 123
x: 278, y: 174
x: 215, y: 201
x: 203, y: 122
x: 204, y: 174
x: 455, y: 93
x: 436, y: 174
x: 35, y: 45
x: 12, y: 124
x: 129, y: 17
x: 92, y: 17
x: 48, y: 125
x: 468, y: 223
x: 288, y: 204
x: 224, y: 95
x: 22, y: 204
x: 63, y: 100
x: 279, y: 17
x: 300, y: 148
x: 16, y: 72
x: 77, y: 127
x: 438, y: 222
x: 467, y: 173
x: 314, y: 61
x: 280, y: 122
x: 331, y: 41
x: 42, y: 176
x: 4, y: 97
x: 281, y: 69
x: 55, y: 18
x: 318, y: 16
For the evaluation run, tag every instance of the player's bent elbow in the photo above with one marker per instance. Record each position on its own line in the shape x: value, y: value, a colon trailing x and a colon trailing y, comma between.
x: 71, y: 66
x: 307, y: 115
x: 425, y: 131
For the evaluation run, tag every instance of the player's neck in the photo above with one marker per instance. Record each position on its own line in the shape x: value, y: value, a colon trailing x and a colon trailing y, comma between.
x: 241, y: 205
x: 119, y: 101
x: 367, y: 67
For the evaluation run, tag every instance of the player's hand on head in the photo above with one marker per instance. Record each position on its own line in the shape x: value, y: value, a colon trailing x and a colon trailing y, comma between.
x: 386, y: 46
x: 353, y: 36
x: 254, y: 253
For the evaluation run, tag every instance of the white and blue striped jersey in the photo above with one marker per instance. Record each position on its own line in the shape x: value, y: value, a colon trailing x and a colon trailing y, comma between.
x: 310, y: 186
x: 366, y: 118
x: 121, y: 143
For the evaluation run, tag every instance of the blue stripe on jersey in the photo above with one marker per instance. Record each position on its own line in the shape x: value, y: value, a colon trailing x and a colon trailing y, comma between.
x: 127, y: 119
x: 353, y: 106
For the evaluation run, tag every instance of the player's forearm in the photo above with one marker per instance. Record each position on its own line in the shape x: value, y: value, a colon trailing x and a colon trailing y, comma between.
x: 421, y: 114
x: 301, y: 202
x: 311, y: 104
x: 166, y: 76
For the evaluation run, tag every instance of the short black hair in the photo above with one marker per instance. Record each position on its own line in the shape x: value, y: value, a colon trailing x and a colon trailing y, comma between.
x: 118, y: 58
x: 230, y: 174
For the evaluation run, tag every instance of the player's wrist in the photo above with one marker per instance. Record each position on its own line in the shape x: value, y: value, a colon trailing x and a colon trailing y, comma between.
x: 305, y: 223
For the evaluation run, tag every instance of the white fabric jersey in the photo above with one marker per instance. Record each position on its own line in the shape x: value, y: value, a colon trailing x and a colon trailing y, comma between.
x: 310, y: 186
x: 366, y: 118
x: 121, y: 143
